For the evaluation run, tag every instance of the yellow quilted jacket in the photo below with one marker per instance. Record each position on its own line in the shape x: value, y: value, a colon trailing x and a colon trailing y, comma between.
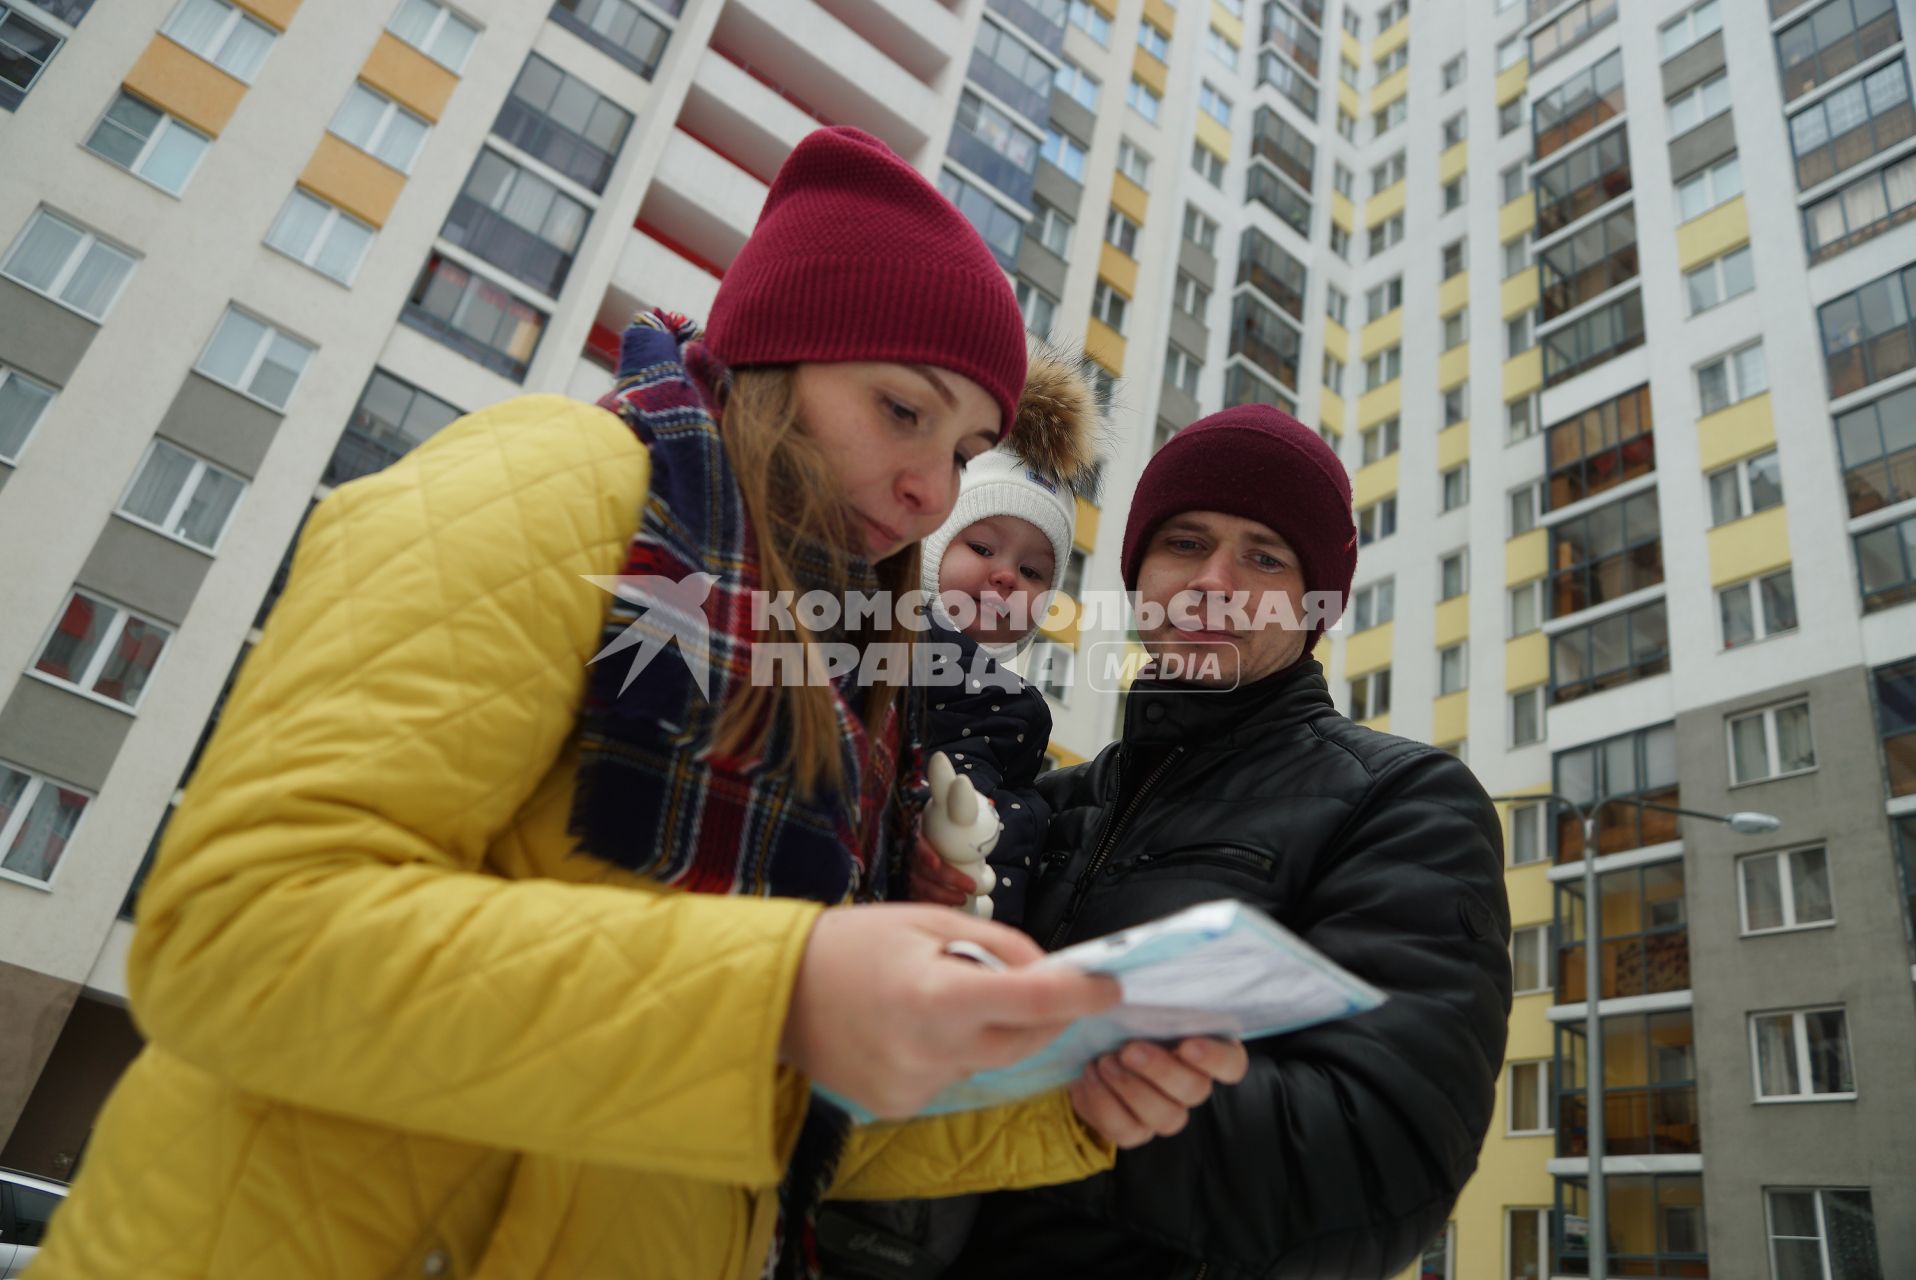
x: 397, y: 1028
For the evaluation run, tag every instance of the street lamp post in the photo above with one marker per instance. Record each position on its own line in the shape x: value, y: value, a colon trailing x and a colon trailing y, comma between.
x: 1743, y: 823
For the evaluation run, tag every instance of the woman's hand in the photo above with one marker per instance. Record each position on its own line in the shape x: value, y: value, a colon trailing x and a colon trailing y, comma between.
x: 1145, y: 1091
x: 880, y: 1014
x: 935, y: 880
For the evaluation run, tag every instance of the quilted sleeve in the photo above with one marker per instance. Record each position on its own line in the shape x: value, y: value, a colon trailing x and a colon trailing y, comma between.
x: 1027, y: 1144
x: 318, y: 928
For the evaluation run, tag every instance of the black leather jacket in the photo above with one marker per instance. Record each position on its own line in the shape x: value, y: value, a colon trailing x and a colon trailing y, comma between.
x: 1342, y: 1152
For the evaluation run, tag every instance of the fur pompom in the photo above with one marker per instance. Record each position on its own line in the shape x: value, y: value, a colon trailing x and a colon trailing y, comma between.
x: 1062, y: 412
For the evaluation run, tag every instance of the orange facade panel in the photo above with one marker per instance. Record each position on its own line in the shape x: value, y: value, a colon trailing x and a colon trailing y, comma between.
x: 185, y: 85
x: 349, y: 178
x: 277, y: 12
x: 409, y: 77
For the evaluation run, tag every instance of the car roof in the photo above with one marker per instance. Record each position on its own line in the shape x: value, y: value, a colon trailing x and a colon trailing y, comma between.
x: 28, y: 1180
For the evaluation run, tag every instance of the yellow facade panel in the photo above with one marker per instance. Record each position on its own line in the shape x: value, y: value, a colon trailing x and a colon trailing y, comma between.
x: 1512, y: 80
x: 1453, y: 445
x: 275, y: 13
x: 1128, y: 198
x: 1517, y: 217
x: 1061, y: 620
x: 1347, y: 99
x: 1386, y: 401
x: 1213, y: 135
x: 1352, y: 50
x: 1161, y: 14
x: 1064, y: 755
x: 1227, y: 22
x: 185, y: 86
x: 1392, y: 39
x: 1330, y: 412
x: 1150, y: 71
x: 1450, y: 718
x: 1389, y: 89
x: 1744, y: 548
x: 1103, y: 344
x: 1452, y: 163
x: 1368, y: 651
x: 1735, y: 432
x: 409, y: 77
x: 1085, y: 535
x: 1385, y: 203
x: 1453, y: 367
x: 1523, y: 374
x: 1526, y: 556
x: 1337, y: 339
x: 1385, y: 331
x: 343, y: 175
x: 1342, y: 211
x: 1716, y: 232
x: 1453, y: 293
x: 1452, y: 624
x: 1118, y: 269
x: 1520, y: 292
x: 1526, y: 662
x: 1377, y: 480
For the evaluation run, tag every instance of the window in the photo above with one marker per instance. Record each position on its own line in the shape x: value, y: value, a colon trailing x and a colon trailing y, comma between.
x: 1393, y: 62
x: 1453, y: 575
x: 1581, y: 267
x: 23, y: 402
x: 1516, y: 256
x: 1352, y: 23
x: 1072, y: 584
x: 1526, y: 608
x: 1380, y: 300
x: 1051, y: 668
x: 1513, y: 183
x: 1518, y: 337
x: 1370, y: 695
x: 1457, y: 404
x: 1191, y: 297
x: 1387, y: 233
x: 1334, y: 373
x: 1200, y: 230
x: 1214, y: 104
x: 1530, y: 1098
x: 182, y: 496
x: 1771, y: 743
x: 619, y: 27
x: 1336, y: 305
x: 1261, y: 261
x: 1066, y: 152
x: 1693, y: 107
x: 1456, y: 330
x: 1078, y: 84
x: 1645, y: 950
x: 313, y: 232
x: 1387, y: 174
x: 1886, y: 564
x: 235, y: 42
x: 1181, y: 370
x: 1454, y: 193
x: 1525, y: 501
x: 1601, y: 447
x: 994, y: 145
x: 1705, y: 190
x: 563, y: 122
x: 380, y: 127
x: 1823, y: 1234
x: 1379, y: 520
x: 1455, y: 129
x: 1272, y: 343
x: 1584, y: 180
x: 37, y: 819
x: 1527, y: 1242
x: 149, y: 143
x: 1383, y: 367
x: 1054, y: 229
x: 1861, y: 210
x: 999, y: 227
x: 1526, y: 847
x: 254, y: 358
x: 1658, y: 1217
x: 1039, y: 308
x: 1108, y: 305
x: 1510, y: 117
x: 1850, y: 125
x: 1453, y: 670
x: 1220, y: 47
x: 1340, y: 242
x: 1273, y: 139
x: 1391, y: 14
x: 1379, y: 441
x: 1347, y: 71
x: 1389, y: 117
x: 1833, y: 38
x: 68, y: 264
x: 1802, y: 1054
x: 1611, y: 651
x: 1142, y: 99
x: 1757, y: 608
x: 1731, y: 379
x: 26, y: 47
x: 1343, y: 181
x: 1719, y: 280
x: 1866, y: 334
x: 1091, y: 20
x: 1689, y: 27
x: 1453, y: 72
x: 1578, y: 105
x: 1154, y: 42
x: 1745, y: 488
x: 1346, y: 125
x: 1208, y: 164
x: 1568, y: 31
x: 1455, y: 486
x: 1133, y: 163
x: 1296, y: 85
x: 1592, y: 338
x: 1243, y: 386
x: 447, y: 38
x: 102, y: 649
x: 1878, y: 445
x: 1787, y: 890
x: 1526, y: 717
x: 1605, y: 554
x: 1374, y: 605
x: 1455, y: 259
x: 390, y: 421
x: 474, y: 317
x: 519, y: 222
x: 1520, y: 420
x: 1529, y: 953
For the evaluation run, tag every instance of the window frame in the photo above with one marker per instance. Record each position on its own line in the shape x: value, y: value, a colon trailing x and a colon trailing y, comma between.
x: 1782, y: 864
x: 89, y: 240
x: 1143, y: 99
x: 1511, y: 613
x: 183, y: 499
x: 231, y: 23
x: 1377, y: 599
x: 9, y: 374
x: 1453, y: 669
x: 1534, y: 694
x: 1532, y: 812
x: 1687, y: 20
x: 1544, y: 1096
x: 444, y: 18
x: 103, y: 652
x: 1063, y: 152
x: 1709, y: 177
x: 1800, y: 1045
x: 257, y: 358
x: 1134, y: 162
x: 1822, y: 1225
x: 1718, y: 272
x: 1771, y: 741
x: 333, y: 219
x: 389, y: 113
x: 1376, y: 687
x: 1760, y: 622
x: 150, y: 144
x: 1381, y: 512
x: 1699, y: 96
x: 15, y: 820
x: 1461, y: 559
x: 1455, y: 478
x: 1745, y: 492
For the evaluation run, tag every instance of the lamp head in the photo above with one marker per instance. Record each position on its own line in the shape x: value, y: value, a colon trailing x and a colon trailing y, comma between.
x: 1746, y: 823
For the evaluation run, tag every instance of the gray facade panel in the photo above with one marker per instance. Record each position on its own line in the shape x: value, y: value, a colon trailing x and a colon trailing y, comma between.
x: 220, y: 425
x: 1705, y: 144
x: 1041, y: 266
x: 1177, y: 408
x: 1693, y: 66
x: 1055, y: 189
x: 41, y: 337
x: 1198, y: 263
x: 145, y: 571
x: 1069, y: 116
x: 1189, y: 334
x: 60, y: 734
x: 1862, y: 963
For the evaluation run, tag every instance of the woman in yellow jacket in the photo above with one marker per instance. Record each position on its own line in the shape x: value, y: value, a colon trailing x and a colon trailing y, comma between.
x: 467, y: 956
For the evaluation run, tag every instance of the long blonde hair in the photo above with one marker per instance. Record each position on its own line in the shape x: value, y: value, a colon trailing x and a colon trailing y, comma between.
x: 791, y: 494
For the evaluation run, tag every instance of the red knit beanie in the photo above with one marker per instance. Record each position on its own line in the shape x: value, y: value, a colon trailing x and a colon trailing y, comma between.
x: 1261, y: 464
x: 857, y: 257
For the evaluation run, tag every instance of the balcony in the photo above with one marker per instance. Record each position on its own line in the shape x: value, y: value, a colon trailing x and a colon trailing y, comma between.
x: 1033, y: 104
x: 991, y: 164
x: 702, y: 201
x: 1042, y: 20
x: 508, y: 246
x: 921, y: 36
x: 742, y: 117
x: 653, y: 274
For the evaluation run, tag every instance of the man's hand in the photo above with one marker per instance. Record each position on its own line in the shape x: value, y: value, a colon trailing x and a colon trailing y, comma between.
x: 1144, y: 1091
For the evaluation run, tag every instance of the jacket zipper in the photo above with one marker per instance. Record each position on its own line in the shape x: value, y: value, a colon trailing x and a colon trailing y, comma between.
x: 1103, y: 850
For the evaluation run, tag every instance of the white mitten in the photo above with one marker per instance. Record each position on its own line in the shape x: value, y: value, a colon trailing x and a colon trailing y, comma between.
x: 963, y: 827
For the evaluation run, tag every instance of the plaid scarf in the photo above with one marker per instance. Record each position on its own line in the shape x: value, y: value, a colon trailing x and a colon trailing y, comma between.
x: 653, y: 796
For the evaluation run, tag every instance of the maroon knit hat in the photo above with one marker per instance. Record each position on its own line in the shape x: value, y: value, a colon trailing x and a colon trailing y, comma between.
x: 1261, y: 464
x: 857, y: 257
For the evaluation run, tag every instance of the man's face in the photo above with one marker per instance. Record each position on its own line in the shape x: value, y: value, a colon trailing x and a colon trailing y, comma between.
x: 1195, y: 562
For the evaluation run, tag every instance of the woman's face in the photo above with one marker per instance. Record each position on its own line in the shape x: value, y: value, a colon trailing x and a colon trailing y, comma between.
x: 896, y: 436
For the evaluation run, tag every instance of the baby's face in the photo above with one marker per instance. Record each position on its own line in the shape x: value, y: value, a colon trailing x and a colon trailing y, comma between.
x: 1003, y: 564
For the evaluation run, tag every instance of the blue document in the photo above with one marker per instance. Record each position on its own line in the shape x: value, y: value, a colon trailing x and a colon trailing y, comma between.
x: 1217, y: 969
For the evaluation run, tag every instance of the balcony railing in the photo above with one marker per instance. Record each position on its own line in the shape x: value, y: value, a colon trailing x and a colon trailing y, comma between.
x: 508, y: 246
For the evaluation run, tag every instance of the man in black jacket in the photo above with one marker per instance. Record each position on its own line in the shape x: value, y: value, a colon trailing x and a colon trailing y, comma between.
x: 1342, y: 1152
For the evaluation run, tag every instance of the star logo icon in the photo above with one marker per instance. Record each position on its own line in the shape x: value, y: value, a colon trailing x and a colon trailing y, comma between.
x: 672, y: 609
